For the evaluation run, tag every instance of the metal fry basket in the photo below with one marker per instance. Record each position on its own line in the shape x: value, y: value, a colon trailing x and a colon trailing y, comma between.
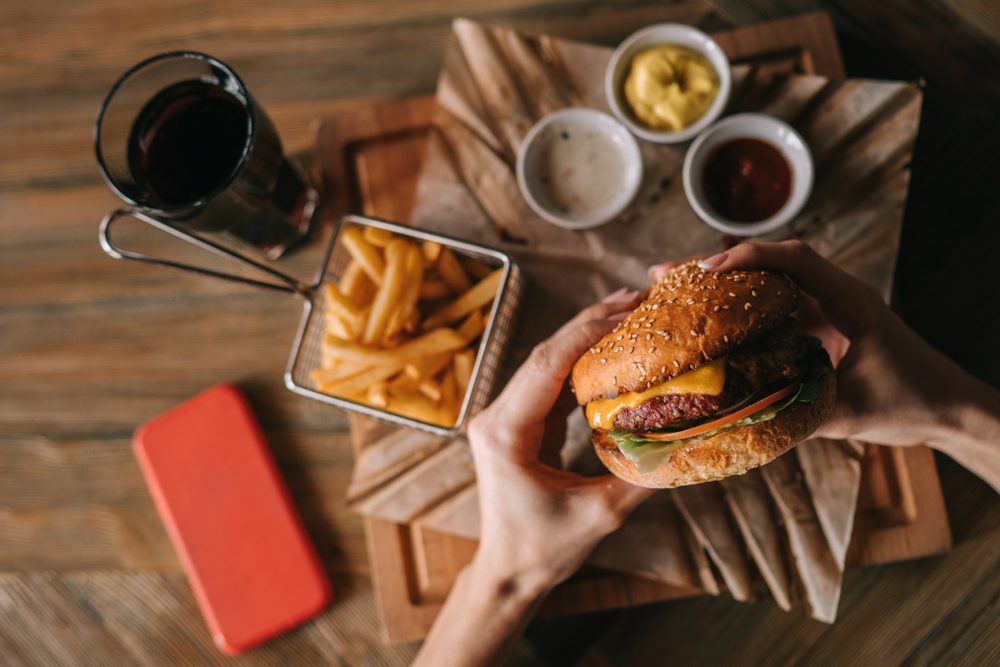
x: 306, y: 354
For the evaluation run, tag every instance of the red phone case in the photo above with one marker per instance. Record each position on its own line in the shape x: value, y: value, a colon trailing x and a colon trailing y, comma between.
x: 253, y: 569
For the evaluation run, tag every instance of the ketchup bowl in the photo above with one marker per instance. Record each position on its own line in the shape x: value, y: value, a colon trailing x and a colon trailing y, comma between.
x: 748, y: 174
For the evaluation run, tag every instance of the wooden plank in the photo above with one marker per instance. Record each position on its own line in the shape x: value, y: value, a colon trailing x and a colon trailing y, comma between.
x: 32, y: 605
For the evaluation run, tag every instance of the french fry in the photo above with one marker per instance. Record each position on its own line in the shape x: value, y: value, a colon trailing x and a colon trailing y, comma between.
x: 356, y: 285
x: 478, y: 269
x: 479, y: 295
x: 412, y: 323
x: 415, y: 405
x: 378, y: 237
x: 452, y: 272
x: 427, y: 366
x: 434, y: 289
x: 357, y: 383
x: 378, y: 395
x: 337, y: 326
x: 471, y: 326
x: 430, y: 389
x: 364, y: 253
x: 389, y: 291
x: 411, y: 291
x: 462, y: 366
x: 433, y: 342
x: 339, y: 372
x: 431, y: 250
x: 451, y: 401
x: 402, y: 383
x: 338, y: 303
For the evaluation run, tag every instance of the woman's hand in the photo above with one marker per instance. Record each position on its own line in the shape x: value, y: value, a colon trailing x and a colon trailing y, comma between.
x: 538, y: 522
x: 892, y: 387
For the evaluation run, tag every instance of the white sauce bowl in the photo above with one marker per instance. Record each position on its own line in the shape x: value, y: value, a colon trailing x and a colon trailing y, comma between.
x: 776, y: 132
x: 623, y: 187
x: 656, y: 35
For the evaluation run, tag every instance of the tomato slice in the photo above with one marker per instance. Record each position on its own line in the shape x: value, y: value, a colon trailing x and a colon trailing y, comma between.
x: 661, y: 436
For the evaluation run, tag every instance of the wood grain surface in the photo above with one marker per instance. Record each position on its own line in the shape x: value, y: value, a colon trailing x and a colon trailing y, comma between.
x: 89, y: 347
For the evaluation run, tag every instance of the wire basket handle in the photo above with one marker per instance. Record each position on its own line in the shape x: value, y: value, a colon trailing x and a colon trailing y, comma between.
x: 287, y: 283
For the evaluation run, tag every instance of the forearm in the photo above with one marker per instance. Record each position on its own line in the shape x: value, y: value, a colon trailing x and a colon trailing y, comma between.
x: 972, y: 437
x: 482, y: 617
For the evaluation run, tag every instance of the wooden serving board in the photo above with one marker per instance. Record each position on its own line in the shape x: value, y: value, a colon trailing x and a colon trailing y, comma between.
x: 371, y: 157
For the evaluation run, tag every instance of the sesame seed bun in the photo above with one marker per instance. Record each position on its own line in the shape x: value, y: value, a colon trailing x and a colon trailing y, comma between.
x: 731, y: 452
x: 689, y: 318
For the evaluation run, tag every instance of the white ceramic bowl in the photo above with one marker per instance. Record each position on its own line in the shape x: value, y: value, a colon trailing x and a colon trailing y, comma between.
x: 776, y: 132
x: 529, y: 178
x: 656, y: 35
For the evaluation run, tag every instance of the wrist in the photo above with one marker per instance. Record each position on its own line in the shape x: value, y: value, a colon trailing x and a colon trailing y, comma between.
x: 510, y: 590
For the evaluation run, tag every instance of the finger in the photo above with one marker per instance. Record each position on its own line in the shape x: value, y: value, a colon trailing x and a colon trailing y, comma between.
x: 845, y: 299
x: 814, y: 322
x: 658, y: 271
x: 533, y: 390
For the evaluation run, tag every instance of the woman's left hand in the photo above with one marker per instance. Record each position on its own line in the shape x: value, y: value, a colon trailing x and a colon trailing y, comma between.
x: 538, y: 522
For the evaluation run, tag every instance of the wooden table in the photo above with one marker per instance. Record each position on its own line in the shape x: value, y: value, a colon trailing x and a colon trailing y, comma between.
x: 89, y: 347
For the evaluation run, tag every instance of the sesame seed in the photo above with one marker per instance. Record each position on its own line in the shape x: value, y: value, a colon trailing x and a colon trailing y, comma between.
x: 604, y: 360
x: 753, y: 292
x: 725, y: 338
x: 746, y: 306
x: 725, y: 307
x: 677, y: 364
x: 619, y: 337
x: 715, y: 309
x: 649, y: 336
x: 619, y: 349
x: 732, y: 294
x: 693, y: 332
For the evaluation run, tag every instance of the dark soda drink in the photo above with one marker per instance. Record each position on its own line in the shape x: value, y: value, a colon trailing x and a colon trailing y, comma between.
x: 187, y: 142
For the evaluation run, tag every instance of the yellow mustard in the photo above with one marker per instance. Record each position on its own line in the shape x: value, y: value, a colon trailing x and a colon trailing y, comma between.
x: 669, y: 87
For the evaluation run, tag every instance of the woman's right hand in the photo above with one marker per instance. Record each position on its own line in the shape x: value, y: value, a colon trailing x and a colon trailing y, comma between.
x: 892, y: 387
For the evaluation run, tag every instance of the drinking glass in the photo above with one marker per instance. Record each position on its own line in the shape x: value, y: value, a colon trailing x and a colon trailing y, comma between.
x: 180, y: 139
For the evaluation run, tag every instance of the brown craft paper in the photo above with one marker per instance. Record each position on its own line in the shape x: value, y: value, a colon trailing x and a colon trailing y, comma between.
x: 495, y: 83
x: 752, y: 510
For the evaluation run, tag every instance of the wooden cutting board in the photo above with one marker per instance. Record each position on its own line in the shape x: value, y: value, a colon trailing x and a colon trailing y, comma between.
x: 371, y: 159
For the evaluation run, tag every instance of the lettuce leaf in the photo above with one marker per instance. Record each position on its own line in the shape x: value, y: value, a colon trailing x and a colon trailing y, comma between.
x: 649, y: 455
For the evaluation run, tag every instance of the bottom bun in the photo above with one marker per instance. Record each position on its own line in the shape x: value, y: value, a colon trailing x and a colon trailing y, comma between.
x: 731, y: 452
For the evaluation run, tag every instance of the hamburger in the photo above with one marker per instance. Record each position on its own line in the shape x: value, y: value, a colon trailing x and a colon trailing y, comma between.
x: 710, y: 376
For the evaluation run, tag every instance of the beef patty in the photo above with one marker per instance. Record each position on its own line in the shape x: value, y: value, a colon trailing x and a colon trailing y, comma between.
x: 758, y: 364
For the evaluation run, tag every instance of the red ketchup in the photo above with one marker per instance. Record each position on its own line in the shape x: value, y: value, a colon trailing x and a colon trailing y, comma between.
x: 747, y: 180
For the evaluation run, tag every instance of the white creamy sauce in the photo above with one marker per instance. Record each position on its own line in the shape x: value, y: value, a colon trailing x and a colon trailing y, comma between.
x: 580, y: 169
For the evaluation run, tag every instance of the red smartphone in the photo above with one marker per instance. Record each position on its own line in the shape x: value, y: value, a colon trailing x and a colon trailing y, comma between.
x: 253, y: 569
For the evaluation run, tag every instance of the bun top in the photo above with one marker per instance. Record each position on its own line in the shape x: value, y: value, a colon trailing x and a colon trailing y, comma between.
x: 690, y: 317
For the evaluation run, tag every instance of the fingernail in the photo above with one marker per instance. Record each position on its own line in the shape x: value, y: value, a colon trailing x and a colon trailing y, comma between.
x: 618, y: 317
x: 623, y: 295
x: 655, y: 272
x: 713, y: 261
x: 614, y: 296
